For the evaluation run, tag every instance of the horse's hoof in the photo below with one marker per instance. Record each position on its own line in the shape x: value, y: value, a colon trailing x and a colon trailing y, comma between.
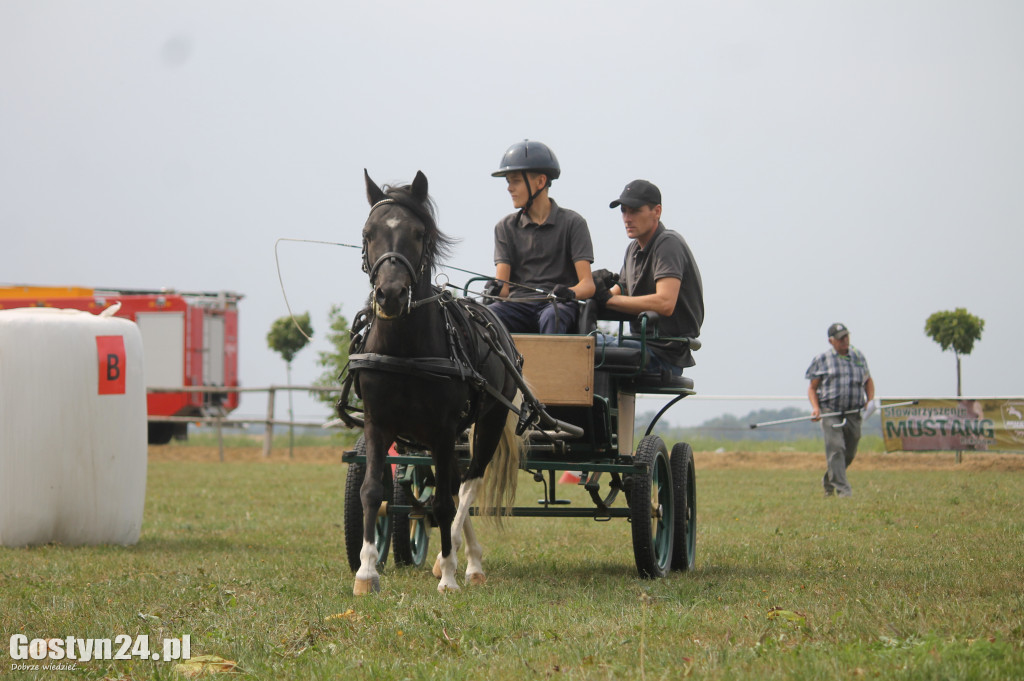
x: 477, y: 579
x: 452, y: 588
x: 363, y: 587
x: 437, y: 567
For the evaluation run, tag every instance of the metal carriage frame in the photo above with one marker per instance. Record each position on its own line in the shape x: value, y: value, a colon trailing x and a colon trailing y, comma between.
x: 583, y: 393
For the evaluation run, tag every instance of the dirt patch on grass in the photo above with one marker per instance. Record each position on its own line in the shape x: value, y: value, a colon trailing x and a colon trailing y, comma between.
x: 971, y: 461
x: 917, y: 461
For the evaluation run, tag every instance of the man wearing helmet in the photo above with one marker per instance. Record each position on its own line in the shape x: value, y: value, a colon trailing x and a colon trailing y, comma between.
x: 542, y: 252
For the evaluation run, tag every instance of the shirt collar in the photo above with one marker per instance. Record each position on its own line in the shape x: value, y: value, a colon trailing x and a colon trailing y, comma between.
x: 658, y: 231
x: 525, y: 221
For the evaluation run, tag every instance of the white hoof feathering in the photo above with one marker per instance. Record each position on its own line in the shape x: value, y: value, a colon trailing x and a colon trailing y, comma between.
x: 449, y: 566
x: 367, y: 579
x: 363, y: 587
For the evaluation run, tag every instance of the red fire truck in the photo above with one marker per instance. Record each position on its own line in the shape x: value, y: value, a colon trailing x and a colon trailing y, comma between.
x: 188, y: 339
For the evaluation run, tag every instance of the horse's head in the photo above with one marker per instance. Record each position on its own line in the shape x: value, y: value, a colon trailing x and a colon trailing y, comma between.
x: 400, y: 244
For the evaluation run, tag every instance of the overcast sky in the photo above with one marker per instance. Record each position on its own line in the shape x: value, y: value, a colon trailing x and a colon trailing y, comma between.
x: 850, y: 161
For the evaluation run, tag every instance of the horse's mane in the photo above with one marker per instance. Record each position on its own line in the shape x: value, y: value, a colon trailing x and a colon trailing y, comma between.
x: 438, y: 245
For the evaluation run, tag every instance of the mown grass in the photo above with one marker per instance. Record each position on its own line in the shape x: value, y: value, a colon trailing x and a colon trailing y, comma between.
x: 918, y: 576
x: 701, y: 443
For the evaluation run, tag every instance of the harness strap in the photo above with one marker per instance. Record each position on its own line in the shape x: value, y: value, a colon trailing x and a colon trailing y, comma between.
x: 430, y: 367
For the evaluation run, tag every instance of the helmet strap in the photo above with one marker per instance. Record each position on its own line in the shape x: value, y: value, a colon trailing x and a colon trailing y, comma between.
x: 529, y: 201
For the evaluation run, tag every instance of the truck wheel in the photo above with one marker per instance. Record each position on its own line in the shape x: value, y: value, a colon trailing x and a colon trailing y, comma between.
x: 160, y: 433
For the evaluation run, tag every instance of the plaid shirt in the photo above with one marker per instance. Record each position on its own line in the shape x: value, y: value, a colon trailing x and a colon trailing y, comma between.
x: 842, y: 379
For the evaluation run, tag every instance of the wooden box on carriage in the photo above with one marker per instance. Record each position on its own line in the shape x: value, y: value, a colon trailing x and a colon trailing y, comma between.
x: 559, y: 369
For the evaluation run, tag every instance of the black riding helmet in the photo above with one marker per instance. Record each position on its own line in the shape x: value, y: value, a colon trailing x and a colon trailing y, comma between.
x: 529, y: 156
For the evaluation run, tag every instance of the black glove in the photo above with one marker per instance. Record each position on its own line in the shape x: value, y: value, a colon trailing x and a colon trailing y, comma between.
x: 563, y: 293
x: 607, y: 278
x: 601, y: 293
x: 493, y: 287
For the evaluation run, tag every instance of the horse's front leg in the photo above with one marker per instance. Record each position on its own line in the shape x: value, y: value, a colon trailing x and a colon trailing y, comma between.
x: 444, y: 512
x: 371, y: 493
x: 474, y: 550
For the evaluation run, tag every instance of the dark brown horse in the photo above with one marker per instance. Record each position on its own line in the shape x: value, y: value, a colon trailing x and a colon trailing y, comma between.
x: 431, y: 366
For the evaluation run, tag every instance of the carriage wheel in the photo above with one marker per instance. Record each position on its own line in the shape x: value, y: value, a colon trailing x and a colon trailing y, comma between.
x: 411, y: 532
x: 354, y: 512
x: 684, y: 490
x: 652, y: 509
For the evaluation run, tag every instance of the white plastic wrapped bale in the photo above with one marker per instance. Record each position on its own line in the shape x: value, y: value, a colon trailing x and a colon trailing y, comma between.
x: 72, y: 428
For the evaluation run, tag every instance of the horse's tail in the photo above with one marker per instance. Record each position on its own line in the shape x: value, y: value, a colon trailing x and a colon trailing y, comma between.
x: 501, y: 477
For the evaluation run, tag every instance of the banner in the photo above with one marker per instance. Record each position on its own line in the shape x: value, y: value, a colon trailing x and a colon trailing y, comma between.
x: 955, y: 424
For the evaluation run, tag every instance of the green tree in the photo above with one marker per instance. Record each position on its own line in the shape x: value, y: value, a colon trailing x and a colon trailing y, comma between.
x: 286, y: 337
x: 957, y: 330
x: 333, y: 361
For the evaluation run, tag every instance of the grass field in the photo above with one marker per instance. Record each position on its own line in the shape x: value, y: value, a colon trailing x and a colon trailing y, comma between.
x: 918, y: 576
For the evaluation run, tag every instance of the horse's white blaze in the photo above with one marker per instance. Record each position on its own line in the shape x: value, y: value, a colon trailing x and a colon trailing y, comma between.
x: 392, y: 222
x: 367, y: 561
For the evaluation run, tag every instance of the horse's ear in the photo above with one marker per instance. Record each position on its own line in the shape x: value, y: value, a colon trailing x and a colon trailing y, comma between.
x: 419, y: 186
x: 374, y: 194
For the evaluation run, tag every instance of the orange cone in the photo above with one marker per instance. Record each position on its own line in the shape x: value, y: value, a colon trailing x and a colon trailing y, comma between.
x: 571, y: 477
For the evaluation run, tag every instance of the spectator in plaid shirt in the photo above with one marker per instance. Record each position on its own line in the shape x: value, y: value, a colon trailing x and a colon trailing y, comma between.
x: 840, y: 382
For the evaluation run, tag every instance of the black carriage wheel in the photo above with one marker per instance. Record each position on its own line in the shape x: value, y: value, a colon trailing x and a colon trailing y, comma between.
x: 353, y: 518
x: 411, y: 535
x: 684, y: 489
x: 651, y: 510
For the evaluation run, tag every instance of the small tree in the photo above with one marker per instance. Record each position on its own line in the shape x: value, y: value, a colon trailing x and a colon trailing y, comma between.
x: 957, y: 329
x: 333, y: 362
x: 286, y: 337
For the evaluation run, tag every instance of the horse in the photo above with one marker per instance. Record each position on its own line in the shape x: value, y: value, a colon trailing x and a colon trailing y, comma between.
x: 424, y: 374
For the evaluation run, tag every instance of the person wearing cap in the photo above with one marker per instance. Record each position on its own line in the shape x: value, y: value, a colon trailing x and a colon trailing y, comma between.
x: 659, y: 274
x: 542, y: 252
x: 840, y: 384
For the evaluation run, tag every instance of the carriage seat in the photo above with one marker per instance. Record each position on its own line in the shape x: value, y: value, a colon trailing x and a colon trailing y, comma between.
x: 626, y: 361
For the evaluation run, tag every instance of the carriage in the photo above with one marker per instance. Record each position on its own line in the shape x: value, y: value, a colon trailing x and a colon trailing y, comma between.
x: 442, y: 379
x: 590, y: 391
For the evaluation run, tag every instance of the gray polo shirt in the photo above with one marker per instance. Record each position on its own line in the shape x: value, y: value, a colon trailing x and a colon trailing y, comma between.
x: 542, y: 255
x: 667, y: 255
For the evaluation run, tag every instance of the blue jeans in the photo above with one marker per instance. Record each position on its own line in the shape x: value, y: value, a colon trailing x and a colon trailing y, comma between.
x: 655, y: 365
x: 537, y: 316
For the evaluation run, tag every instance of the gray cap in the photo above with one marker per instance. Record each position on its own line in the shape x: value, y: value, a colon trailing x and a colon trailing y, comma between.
x: 838, y: 330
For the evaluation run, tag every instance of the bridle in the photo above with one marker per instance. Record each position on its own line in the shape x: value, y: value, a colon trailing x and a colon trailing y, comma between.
x: 394, y: 257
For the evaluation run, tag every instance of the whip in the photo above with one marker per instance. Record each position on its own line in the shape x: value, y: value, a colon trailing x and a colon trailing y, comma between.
x: 834, y: 413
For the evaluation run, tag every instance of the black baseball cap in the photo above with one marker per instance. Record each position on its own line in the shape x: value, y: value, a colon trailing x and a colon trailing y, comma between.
x: 838, y: 330
x: 637, y: 194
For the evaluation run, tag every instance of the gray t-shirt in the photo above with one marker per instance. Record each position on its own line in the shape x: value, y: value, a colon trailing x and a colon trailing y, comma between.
x: 542, y: 255
x: 667, y: 255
